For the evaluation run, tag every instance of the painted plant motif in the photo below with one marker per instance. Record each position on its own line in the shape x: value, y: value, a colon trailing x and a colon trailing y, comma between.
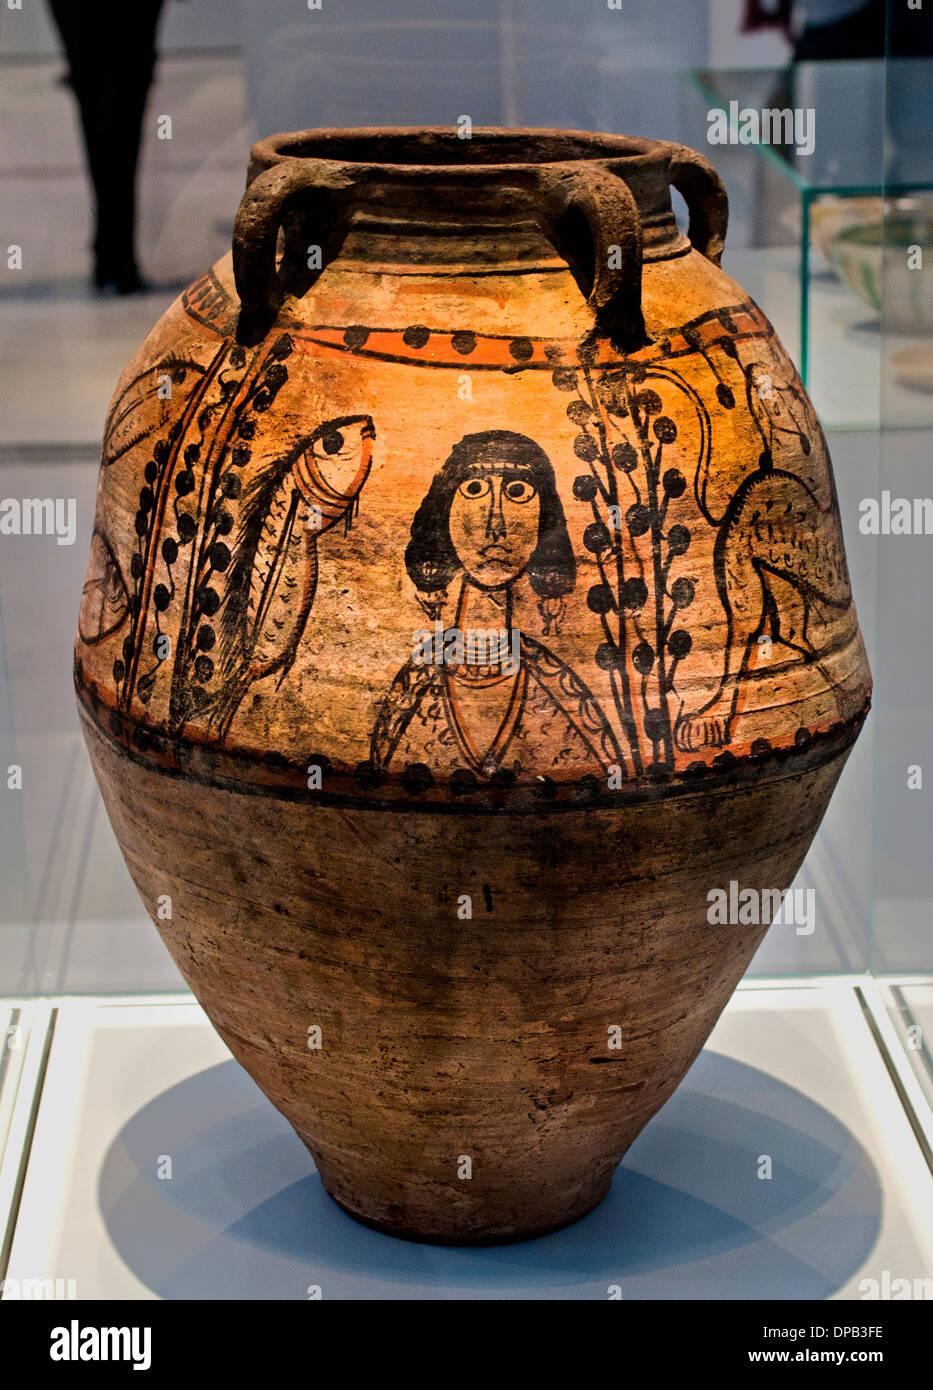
x: 631, y: 486
x: 491, y: 515
x: 224, y: 573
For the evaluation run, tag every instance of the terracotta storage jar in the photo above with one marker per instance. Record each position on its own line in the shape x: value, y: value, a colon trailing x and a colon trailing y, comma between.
x: 467, y: 605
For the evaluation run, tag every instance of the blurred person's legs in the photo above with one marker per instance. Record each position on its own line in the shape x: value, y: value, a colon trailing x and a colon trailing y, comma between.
x: 111, y: 54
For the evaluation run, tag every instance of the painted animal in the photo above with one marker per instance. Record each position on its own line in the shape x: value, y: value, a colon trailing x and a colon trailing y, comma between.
x: 777, y: 554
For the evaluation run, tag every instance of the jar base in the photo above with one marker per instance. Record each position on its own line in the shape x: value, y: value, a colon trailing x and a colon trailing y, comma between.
x: 507, y: 1236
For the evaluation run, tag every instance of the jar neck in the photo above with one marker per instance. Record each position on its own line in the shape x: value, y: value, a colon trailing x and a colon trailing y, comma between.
x: 400, y: 245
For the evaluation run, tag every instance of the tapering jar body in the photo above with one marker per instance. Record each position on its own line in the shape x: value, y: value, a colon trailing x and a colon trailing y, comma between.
x: 467, y: 601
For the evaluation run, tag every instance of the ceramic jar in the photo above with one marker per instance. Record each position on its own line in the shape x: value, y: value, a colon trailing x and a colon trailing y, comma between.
x: 466, y: 608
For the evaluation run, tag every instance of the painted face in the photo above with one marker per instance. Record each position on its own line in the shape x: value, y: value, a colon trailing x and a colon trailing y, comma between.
x: 494, y: 520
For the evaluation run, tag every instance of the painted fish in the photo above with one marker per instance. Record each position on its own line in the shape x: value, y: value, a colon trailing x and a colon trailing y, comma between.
x: 273, y: 578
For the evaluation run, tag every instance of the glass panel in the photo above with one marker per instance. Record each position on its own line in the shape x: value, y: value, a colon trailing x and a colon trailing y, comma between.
x: 803, y: 241
x: 898, y: 256
x: 16, y: 935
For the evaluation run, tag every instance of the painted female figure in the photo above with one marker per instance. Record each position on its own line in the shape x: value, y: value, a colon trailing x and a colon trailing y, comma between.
x: 489, y: 700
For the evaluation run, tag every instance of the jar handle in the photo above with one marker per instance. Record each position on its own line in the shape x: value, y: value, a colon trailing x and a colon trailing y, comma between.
x: 269, y: 199
x: 592, y: 220
x: 587, y: 213
x: 707, y: 200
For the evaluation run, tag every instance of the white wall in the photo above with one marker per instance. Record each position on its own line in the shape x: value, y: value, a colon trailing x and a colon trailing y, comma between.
x: 516, y: 62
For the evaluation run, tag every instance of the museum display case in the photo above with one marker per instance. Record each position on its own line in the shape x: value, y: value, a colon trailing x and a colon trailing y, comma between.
x: 138, y: 1160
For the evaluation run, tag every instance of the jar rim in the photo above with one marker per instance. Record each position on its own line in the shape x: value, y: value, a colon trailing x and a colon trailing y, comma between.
x: 440, y: 149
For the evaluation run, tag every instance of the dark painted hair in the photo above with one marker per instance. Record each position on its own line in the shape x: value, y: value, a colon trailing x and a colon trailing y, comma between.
x: 430, y: 557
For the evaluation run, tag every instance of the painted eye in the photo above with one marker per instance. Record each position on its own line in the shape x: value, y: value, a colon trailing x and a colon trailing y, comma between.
x: 474, y: 488
x: 332, y: 443
x: 519, y: 491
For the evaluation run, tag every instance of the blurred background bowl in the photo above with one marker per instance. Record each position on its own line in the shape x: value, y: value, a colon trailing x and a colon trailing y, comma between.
x: 878, y: 260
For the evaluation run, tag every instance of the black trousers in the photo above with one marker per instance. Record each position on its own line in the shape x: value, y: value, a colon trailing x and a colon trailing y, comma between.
x: 110, y: 47
x: 870, y: 32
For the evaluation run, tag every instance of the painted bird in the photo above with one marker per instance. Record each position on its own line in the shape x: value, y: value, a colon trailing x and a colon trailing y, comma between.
x: 273, y: 576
